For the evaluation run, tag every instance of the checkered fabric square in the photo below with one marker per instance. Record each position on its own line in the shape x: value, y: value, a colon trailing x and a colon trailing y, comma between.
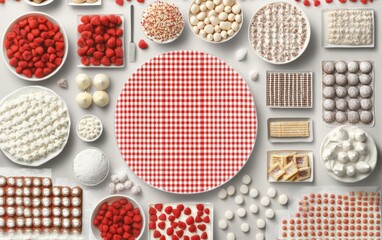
x: 185, y: 122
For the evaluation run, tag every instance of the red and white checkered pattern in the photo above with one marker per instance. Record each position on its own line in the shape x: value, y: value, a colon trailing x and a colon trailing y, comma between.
x: 185, y: 122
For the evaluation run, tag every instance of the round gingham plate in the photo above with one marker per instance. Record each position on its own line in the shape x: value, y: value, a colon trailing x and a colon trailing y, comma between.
x: 185, y: 122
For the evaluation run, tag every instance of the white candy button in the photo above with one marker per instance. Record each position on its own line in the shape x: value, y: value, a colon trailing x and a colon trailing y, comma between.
x: 231, y: 236
x: 272, y: 192
x: 244, y: 189
x: 260, y: 223
x: 254, y: 193
x: 231, y: 190
x: 283, y: 199
x: 254, y: 208
x: 241, y: 212
x: 223, y: 224
x: 228, y: 215
x: 265, y: 201
x: 244, y: 227
x: 239, y: 200
x: 270, y: 213
x: 222, y: 194
x: 260, y: 236
x: 246, y: 179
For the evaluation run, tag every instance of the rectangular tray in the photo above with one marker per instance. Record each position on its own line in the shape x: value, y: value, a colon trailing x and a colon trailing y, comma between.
x: 123, y: 44
x: 290, y: 140
x: 285, y: 152
x: 324, y: 28
x: 71, y: 3
x: 270, y: 105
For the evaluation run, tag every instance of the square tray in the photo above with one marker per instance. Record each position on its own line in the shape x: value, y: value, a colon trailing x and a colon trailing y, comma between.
x: 123, y: 43
x: 286, y: 152
x: 290, y: 140
x: 324, y: 28
x: 71, y: 3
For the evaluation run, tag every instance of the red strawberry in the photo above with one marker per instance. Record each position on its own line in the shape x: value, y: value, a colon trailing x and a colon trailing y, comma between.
x: 158, y: 206
x: 157, y: 234
x: 202, y: 227
x: 317, y: 3
x: 192, y: 228
x: 119, y: 2
x: 190, y: 220
x: 195, y: 237
x: 206, y: 219
x: 170, y: 231
x: 342, y: 1
x: 204, y: 235
x: 179, y: 233
x: 162, y: 225
x: 306, y: 3
x: 141, y: 1
x: 85, y: 61
x: 152, y: 225
x: 142, y: 44
x: 187, y: 211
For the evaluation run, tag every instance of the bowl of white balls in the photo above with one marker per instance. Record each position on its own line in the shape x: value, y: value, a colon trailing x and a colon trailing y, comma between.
x: 215, y: 21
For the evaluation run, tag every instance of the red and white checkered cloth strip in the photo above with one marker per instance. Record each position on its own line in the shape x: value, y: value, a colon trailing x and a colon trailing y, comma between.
x: 185, y: 122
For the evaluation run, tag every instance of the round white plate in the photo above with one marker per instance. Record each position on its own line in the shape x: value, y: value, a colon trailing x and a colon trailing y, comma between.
x: 78, y: 124
x: 54, y: 21
x: 372, y: 149
x: 33, y: 89
x: 46, y: 2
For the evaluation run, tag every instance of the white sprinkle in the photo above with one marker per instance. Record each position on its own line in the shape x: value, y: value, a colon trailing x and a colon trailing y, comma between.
x: 283, y: 199
x: 270, y: 213
x: 254, y: 75
x: 223, y: 224
x: 228, y: 215
x: 253, y: 193
x: 241, y: 54
x: 239, y: 200
x: 272, y: 192
x: 260, y: 223
x: 241, y: 212
x: 222, y: 194
x: 244, y: 189
x: 254, y: 208
x: 265, y: 201
x: 231, y: 190
x: 260, y: 236
x: 246, y: 179
x: 244, y: 227
x: 231, y: 236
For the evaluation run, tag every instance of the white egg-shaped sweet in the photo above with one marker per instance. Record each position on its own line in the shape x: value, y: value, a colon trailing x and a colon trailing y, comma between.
x: 223, y: 16
x: 236, y: 9
x: 235, y: 26
x: 229, y: 2
x: 350, y: 171
x: 339, y: 169
x: 361, y: 148
x: 84, y: 99
x: 343, y: 157
x: 101, y: 81
x: 214, y: 20
x: 209, y: 29
x: 225, y: 25
x: 210, y: 5
x: 342, y: 135
x: 363, y: 167
x: 219, y: 8
x: 195, y: 8
x: 360, y: 136
x: 101, y: 98
x: 201, y: 16
x: 194, y: 20
x: 83, y: 81
x: 353, y: 156
x: 217, y: 37
x: 347, y: 145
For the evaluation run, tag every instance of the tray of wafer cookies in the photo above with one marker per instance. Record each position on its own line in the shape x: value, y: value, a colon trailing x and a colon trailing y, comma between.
x: 290, y: 130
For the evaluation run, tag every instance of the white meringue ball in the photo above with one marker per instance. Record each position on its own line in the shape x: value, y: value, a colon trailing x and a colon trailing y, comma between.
x: 83, y: 81
x: 101, y: 82
x: 101, y: 98
x: 84, y: 100
x: 120, y: 187
x: 128, y: 184
x: 136, y: 190
x: 123, y: 176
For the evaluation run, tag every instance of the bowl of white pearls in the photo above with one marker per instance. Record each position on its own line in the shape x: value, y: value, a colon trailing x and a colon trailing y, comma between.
x: 89, y: 128
x: 215, y: 21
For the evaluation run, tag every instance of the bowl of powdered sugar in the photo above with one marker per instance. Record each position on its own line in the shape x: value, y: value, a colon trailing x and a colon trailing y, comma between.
x: 91, y: 166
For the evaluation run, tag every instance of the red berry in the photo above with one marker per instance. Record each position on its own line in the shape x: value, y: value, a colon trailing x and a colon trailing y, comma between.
x: 119, y: 2
x: 142, y: 44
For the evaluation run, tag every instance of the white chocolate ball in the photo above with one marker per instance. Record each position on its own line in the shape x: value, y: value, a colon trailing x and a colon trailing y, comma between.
x: 227, y: 9
x: 101, y: 82
x: 194, y: 20
x: 101, y: 98
x: 83, y: 81
x: 217, y: 37
x: 201, y: 16
x: 195, y: 8
x: 236, y: 9
x: 229, y: 2
x: 209, y: 29
x: 223, y: 16
x: 210, y: 5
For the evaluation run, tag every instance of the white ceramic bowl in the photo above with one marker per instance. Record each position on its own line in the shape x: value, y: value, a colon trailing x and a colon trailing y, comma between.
x: 81, y: 137
x: 46, y: 2
x: 96, y: 233
x: 372, y: 152
x: 205, y: 38
x: 170, y: 40
x: 53, y: 20
x: 108, y: 167
x: 305, y: 45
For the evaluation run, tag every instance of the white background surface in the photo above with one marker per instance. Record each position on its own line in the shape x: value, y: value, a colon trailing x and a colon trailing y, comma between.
x: 256, y: 167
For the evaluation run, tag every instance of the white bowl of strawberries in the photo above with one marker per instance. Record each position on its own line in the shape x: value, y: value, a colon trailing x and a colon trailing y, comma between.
x: 35, y: 46
x: 117, y: 217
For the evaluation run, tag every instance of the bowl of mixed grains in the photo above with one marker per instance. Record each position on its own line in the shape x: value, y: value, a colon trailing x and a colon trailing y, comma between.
x: 162, y: 22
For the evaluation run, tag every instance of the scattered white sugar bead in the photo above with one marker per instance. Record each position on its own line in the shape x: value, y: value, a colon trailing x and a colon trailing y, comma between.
x: 246, y: 179
x: 244, y: 227
x: 270, y: 213
x: 260, y: 223
x: 128, y: 184
x: 239, y: 200
x: 265, y: 201
x: 254, y: 193
x: 254, y: 75
x: 283, y: 199
x: 241, y: 212
x: 241, y: 54
x: 244, y: 189
x: 223, y: 224
x: 231, y: 190
x: 222, y: 194
x: 228, y: 215
x: 231, y: 236
x: 254, y: 208
x: 260, y: 236
x: 136, y: 190
x: 272, y: 192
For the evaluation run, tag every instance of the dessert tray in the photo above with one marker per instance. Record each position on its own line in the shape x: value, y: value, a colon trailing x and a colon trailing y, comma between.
x: 185, y: 122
